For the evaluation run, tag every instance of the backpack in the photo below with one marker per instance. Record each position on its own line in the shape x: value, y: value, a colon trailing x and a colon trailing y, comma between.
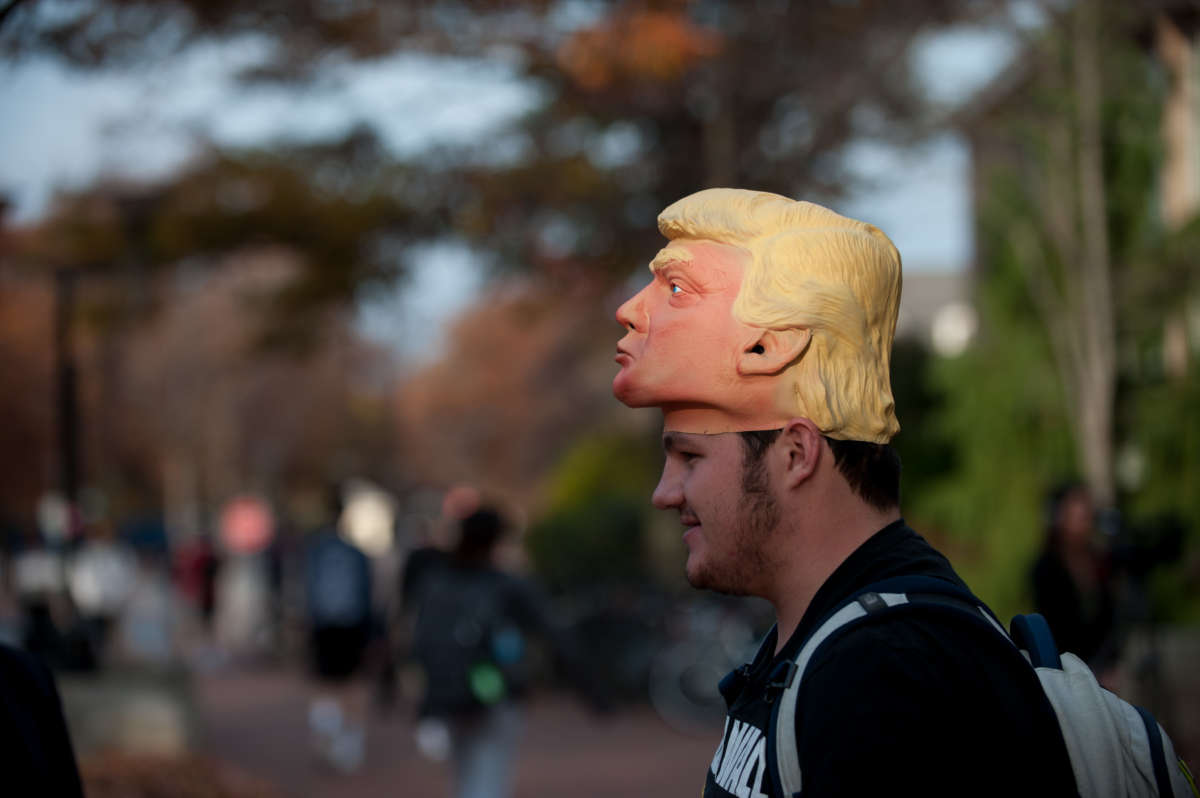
x: 338, y: 584
x: 1116, y: 749
x: 464, y: 641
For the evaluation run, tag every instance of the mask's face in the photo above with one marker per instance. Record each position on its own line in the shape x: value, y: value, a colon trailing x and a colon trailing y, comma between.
x: 682, y: 343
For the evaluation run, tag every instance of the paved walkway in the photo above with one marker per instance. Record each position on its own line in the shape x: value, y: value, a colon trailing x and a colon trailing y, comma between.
x: 249, y: 728
x: 258, y: 722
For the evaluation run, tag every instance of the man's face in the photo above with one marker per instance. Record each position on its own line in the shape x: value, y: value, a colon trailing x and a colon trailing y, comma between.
x: 729, y: 513
x: 682, y: 342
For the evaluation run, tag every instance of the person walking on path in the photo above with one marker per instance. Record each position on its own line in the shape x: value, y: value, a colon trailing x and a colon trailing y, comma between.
x: 470, y: 640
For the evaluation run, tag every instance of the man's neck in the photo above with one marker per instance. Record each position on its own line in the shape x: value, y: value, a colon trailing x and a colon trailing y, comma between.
x: 816, y: 552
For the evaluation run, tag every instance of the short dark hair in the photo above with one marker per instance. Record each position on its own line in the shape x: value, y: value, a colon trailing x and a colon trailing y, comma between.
x: 871, y: 469
x: 479, y: 533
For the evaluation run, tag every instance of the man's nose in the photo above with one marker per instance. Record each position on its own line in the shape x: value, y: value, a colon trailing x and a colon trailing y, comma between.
x: 632, y: 313
x: 668, y: 493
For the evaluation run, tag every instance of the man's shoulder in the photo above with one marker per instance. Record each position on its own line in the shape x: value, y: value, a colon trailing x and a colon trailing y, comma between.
x: 934, y: 661
x: 921, y: 695
x: 910, y: 648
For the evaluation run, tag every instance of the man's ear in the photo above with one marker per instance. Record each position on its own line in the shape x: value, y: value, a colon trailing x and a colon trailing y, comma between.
x: 773, y: 351
x: 802, y: 445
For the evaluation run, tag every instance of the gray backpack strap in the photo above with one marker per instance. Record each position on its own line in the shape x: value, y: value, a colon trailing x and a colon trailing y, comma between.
x: 783, y: 717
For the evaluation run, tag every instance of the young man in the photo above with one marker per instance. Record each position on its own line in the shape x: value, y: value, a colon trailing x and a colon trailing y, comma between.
x: 765, y: 338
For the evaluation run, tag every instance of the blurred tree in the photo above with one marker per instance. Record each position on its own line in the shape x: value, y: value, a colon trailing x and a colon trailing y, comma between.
x: 593, y: 530
x: 645, y: 100
x: 520, y: 376
x: 135, y: 255
x: 1058, y: 225
x: 653, y: 101
x: 1002, y: 412
x: 332, y: 205
x: 1068, y: 163
x: 195, y: 410
x: 26, y: 380
x: 925, y: 449
x: 199, y: 411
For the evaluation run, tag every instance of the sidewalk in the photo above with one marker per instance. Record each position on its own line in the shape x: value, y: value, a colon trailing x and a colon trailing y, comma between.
x: 258, y: 723
x: 244, y: 734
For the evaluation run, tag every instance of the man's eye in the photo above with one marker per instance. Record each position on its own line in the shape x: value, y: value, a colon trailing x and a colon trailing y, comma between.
x: 675, y: 289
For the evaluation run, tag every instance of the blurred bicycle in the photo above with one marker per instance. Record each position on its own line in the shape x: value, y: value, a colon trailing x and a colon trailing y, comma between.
x: 712, y: 636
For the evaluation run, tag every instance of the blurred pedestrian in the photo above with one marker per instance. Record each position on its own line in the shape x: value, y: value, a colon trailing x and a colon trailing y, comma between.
x: 1073, y: 579
x: 147, y: 630
x: 101, y: 575
x: 340, y: 626
x: 470, y: 639
x: 246, y: 601
x: 195, y: 569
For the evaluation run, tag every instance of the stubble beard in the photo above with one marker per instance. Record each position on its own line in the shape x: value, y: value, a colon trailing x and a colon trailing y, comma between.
x: 742, y: 570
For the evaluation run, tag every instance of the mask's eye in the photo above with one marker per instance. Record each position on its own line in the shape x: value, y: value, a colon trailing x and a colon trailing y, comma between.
x: 675, y: 289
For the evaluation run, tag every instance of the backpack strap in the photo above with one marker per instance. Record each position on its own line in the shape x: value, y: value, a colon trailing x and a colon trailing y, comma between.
x: 1162, y: 776
x: 1032, y: 633
x: 1031, y: 638
x: 783, y: 759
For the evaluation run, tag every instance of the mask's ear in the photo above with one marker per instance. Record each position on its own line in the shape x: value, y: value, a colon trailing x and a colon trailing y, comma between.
x: 773, y: 351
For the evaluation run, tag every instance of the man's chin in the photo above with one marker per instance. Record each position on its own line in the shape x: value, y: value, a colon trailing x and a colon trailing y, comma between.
x: 703, y: 578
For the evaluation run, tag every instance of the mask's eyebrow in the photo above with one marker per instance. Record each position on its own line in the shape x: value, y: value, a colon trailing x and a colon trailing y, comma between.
x: 669, y: 255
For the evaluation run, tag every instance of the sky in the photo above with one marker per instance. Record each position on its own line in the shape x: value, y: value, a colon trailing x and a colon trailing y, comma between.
x: 64, y: 129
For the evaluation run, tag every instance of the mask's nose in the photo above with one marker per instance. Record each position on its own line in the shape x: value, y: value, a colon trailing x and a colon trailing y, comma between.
x: 632, y: 314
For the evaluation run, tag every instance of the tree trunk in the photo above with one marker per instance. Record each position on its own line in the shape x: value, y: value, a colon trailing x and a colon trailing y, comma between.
x: 1093, y: 306
x: 1180, y: 174
x: 1181, y: 113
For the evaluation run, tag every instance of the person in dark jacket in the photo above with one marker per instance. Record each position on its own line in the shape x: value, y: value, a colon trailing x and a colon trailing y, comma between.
x: 1072, y: 579
x: 473, y: 622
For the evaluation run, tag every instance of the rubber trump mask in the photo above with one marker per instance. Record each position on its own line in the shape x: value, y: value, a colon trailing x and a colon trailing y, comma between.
x: 762, y: 309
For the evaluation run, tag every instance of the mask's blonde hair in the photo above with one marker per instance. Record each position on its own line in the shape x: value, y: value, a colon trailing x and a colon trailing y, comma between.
x: 812, y: 268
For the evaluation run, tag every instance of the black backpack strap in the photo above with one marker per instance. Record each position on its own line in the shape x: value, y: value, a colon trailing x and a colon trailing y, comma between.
x: 1161, y: 776
x: 1032, y: 633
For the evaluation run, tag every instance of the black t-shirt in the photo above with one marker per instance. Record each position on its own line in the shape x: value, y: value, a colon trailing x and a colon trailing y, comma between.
x: 918, y: 703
